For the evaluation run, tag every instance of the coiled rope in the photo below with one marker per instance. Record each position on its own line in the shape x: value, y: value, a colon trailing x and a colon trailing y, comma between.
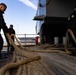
x: 30, y: 56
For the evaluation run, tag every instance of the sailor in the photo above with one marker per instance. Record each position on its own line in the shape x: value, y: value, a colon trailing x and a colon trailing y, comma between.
x: 2, y: 26
x: 72, y: 26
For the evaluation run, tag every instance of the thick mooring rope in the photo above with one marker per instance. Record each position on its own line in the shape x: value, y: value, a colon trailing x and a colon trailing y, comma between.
x: 7, y: 67
x: 29, y: 54
x: 18, y: 50
x: 67, y: 38
x: 45, y: 51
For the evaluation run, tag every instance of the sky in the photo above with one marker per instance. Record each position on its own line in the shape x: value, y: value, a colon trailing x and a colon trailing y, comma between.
x: 20, y: 13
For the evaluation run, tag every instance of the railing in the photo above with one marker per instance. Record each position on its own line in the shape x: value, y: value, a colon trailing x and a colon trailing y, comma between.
x: 24, y: 39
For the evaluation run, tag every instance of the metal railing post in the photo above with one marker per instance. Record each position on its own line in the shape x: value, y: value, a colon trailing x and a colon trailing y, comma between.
x: 25, y: 39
